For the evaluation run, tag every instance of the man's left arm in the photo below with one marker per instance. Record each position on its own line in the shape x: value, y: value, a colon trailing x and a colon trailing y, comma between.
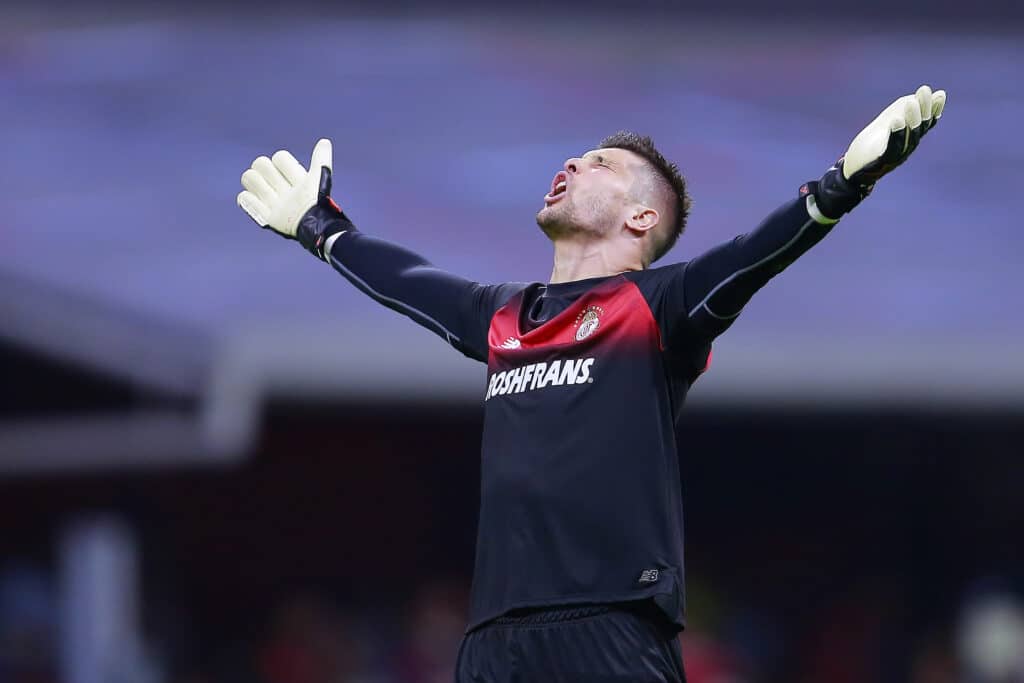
x: 718, y: 284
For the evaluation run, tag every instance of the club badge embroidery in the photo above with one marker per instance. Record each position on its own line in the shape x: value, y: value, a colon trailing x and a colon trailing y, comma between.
x: 588, y: 321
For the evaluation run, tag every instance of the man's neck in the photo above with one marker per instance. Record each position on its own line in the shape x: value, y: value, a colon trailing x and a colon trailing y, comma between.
x: 581, y: 260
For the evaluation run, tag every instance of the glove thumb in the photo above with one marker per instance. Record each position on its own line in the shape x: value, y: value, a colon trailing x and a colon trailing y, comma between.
x: 322, y: 159
x: 323, y: 155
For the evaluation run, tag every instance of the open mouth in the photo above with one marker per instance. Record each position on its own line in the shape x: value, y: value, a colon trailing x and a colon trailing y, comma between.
x: 559, y: 185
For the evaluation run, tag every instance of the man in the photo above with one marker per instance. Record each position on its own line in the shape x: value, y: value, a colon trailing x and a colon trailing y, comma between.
x: 579, y: 562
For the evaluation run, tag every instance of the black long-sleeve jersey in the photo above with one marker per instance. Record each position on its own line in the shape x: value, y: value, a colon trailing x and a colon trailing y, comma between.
x: 580, y: 487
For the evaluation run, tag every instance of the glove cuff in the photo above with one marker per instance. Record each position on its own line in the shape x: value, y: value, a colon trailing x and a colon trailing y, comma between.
x: 834, y: 194
x: 321, y: 222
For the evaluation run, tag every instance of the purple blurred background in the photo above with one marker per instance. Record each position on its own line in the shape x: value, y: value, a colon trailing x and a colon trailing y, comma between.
x: 220, y: 462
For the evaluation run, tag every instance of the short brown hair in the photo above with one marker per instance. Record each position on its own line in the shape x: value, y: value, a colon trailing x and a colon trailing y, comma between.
x: 643, y: 146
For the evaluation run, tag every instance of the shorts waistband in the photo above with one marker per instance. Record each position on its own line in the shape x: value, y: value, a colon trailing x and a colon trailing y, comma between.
x: 526, y: 616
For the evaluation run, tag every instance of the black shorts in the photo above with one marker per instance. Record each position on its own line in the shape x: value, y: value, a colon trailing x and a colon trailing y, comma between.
x: 592, y: 644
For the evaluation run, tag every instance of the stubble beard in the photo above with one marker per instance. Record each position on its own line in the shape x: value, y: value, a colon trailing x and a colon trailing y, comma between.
x: 556, y: 221
x: 563, y: 220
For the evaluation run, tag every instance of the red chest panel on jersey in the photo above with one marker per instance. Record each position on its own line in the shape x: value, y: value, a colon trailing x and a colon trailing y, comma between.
x: 612, y: 314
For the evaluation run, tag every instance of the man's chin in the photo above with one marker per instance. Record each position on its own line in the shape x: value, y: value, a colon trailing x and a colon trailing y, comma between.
x: 550, y: 221
x: 548, y: 224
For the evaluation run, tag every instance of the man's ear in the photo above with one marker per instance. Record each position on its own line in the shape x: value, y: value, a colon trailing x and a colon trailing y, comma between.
x: 642, y: 219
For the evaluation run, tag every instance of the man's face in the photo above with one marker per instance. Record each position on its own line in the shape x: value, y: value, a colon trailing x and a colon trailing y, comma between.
x: 592, y: 193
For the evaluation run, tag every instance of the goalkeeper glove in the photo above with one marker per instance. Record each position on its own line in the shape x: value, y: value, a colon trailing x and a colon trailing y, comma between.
x: 882, y: 146
x: 282, y: 196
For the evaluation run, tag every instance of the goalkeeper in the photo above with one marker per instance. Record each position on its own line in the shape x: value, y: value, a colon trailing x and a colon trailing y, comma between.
x: 579, y: 560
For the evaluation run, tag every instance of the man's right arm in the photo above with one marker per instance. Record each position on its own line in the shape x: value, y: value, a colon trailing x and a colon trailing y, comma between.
x: 456, y: 309
x: 282, y: 196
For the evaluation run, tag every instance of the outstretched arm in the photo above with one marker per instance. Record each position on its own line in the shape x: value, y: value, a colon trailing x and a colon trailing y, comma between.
x: 719, y: 283
x: 456, y: 309
x: 284, y: 197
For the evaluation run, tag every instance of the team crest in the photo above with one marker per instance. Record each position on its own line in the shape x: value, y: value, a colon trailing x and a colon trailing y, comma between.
x: 588, y: 321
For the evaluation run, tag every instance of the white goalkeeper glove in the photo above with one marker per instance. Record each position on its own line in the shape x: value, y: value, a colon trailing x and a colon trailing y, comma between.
x: 892, y: 136
x: 282, y: 196
x: 883, y: 145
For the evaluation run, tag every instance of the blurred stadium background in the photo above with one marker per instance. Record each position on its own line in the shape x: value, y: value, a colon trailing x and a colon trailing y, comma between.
x: 219, y: 463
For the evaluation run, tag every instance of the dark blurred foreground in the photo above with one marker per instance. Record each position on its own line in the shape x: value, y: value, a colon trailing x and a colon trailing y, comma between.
x: 822, y: 546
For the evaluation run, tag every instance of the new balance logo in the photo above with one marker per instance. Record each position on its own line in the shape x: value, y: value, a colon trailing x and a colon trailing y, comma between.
x: 511, y: 343
x: 648, y: 576
x: 539, y: 375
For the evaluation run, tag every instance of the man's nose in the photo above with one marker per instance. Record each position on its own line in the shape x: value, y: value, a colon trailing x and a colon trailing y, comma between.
x: 572, y: 165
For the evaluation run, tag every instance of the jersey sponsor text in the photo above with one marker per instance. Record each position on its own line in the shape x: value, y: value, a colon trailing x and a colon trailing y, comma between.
x: 540, y: 375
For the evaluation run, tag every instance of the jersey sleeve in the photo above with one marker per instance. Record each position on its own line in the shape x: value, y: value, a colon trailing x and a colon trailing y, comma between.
x: 456, y: 309
x: 696, y: 301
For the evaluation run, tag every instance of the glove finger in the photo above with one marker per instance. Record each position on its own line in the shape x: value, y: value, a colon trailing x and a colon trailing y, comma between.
x: 924, y: 100
x: 253, y: 182
x: 257, y: 210
x: 289, y: 167
x: 323, y: 155
x: 938, y: 104
x: 912, y: 112
x: 898, y: 137
x: 913, y: 133
x: 265, y: 167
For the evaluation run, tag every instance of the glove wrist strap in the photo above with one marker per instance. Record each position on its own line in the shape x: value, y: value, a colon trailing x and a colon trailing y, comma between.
x: 834, y: 195
x: 319, y: 224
